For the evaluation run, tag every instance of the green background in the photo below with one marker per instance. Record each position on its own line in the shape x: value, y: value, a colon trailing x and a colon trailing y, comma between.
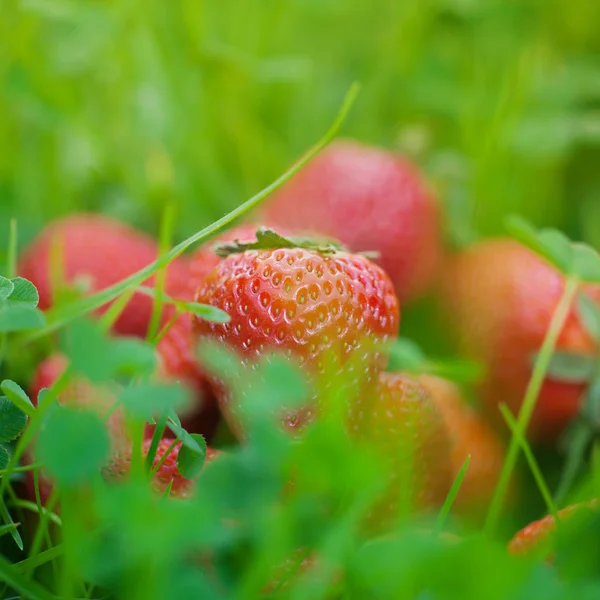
x: 119, y: 106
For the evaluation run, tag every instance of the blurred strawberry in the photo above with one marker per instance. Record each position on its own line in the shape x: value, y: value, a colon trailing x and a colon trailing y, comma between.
x: 371, y: 200
x: 402, y: 424
x: 500, y: 298
x: 96, y: 252
x: 470, y: 435
x: 540, y: 536
x: 166, y: 475
x: 307, y: 303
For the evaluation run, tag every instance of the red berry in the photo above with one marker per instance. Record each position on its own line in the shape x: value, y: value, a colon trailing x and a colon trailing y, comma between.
x: 470, y: 435
x: 402, y: 424
x: 310, y: 305
x: 119, y: 467
x: 96, y: 252
x: 369, y: 199
x: 500, y: 298
x: 539, y: 536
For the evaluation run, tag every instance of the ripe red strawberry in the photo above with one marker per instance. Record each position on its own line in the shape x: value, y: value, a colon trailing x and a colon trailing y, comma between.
x: 371, y: 200
x: 470, y: 435
x: 96, y: 252
x: 306, y: 303
x: 119, y: 467
x: 177, y: 349
x: 402, y: 424
x: 80, y: 393
x: 539, y: 536
x: 500, y: 298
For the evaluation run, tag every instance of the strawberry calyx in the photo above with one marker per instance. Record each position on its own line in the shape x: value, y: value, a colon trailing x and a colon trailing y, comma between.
x: 269, y: 239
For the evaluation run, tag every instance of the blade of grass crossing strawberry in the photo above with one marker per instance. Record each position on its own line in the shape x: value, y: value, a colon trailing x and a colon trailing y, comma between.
x: 540, y: 369
x: 533, y: 465
x: 156, y: 436
x: 79, y: 308
x: 450, y: 498
x: 166, y: 234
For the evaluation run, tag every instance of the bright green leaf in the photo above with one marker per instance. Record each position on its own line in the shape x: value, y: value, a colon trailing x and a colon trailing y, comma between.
x: 132, y: 356
x: 73, y: 445
x: 24, y: 293
x: 12, y: 420
x: 20, y: 318
x: 190, y: 462
x: 586, y: 263
x: 6, y: 516
x: 407, y: 356
x: 89, y: 351
x: 589, y: 312
x: 551, y: 244
x: 570, y: 367
x: 184, y: 437
x: 16, y: 394
x: 146, y: 401
x: 206, y: 312
x: 6, y: 288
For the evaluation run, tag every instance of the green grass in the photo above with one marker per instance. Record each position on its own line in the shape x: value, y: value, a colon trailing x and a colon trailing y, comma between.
x: 169, y: 115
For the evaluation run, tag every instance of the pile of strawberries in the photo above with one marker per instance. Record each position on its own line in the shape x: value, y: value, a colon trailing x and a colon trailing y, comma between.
x: 311, y: 292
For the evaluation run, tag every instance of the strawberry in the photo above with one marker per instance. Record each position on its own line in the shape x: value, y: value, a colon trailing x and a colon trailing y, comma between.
x: 369, y: 199
x: 470, y: 435
x: 403, y: 426
x: 500, y: 297
x: 96, y: 252
x: 308, y: 303
x: 539, y: 536
x: 177, y: 349
x: 167, y: 474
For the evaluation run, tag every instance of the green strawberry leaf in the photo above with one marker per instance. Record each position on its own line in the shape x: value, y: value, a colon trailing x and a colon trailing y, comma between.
x: 460, y: 371
x: 133, y: 356
x: 24, y: 293
x: 191, y: 462
x: 20, y: 318
x: 205, y: 311
x: 15, y: 393
x: 551, y: 244
x: 12, y: 420
x: 6, y: 288
x: 586, y: 263
x: 406, y: 355
x: 187, y: 439
x: 589, y: 313
x: 570, y: 367
x: 4, y: 456
x: 89, y: 351
x: 284, y: 384
x: 73, y: 445
x: 268, y: 239
x: 146, y: 401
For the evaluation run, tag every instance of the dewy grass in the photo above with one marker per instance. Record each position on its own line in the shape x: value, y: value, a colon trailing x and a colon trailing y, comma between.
x: 71, y: 311
x: 533, y: 389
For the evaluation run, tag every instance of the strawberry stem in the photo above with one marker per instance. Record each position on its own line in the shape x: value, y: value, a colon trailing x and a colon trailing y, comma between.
x: 534, y: 386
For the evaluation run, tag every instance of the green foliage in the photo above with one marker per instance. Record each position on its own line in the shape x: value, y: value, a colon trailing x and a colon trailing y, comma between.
x: 125, y: 107
x: 73, y: 445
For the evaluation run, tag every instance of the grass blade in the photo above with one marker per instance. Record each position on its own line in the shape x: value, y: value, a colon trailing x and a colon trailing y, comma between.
x: 450, y: 498
x: 22, y: 584
x: 534, y: 467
